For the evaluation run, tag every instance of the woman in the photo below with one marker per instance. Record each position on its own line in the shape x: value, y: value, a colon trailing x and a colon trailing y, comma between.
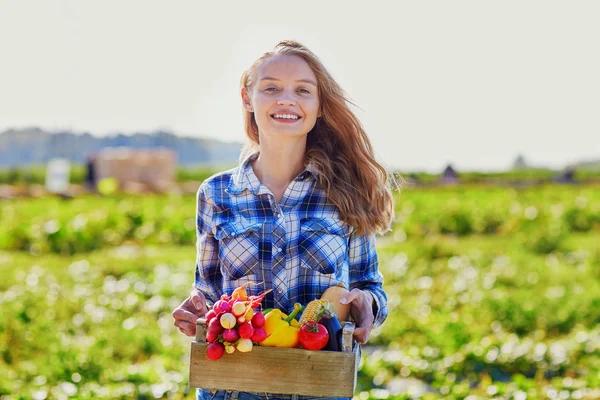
x: 300, y: 212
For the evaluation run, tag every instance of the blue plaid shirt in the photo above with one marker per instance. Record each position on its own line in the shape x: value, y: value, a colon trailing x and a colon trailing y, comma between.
x: 298, y: 247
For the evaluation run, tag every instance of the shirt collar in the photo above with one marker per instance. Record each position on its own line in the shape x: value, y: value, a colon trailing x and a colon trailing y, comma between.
x: 243, y: 177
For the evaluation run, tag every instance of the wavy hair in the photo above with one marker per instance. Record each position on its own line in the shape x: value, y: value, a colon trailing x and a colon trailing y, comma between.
x: 338, y: 148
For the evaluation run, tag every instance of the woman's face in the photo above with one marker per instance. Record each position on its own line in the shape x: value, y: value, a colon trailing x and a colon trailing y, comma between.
x: 284, y: 97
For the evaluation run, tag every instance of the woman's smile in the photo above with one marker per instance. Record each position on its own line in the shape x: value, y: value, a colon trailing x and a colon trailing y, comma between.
x: 286, y: 118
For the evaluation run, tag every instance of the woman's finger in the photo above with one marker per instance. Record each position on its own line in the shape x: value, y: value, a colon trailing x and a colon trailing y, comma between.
x: 361, y: 335
x: 188, y: 332
x: 198, y: 300
x: 351, y: 296
x: 185, y: 327
x: 181, y: 314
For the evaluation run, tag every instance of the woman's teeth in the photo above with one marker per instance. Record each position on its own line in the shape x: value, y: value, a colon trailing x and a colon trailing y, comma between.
x: 285, y: 116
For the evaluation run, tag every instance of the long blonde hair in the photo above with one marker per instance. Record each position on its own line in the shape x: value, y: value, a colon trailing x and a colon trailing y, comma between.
x: 338, y: 147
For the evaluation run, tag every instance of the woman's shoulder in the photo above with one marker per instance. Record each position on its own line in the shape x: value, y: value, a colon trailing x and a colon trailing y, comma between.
x: 218, y: 180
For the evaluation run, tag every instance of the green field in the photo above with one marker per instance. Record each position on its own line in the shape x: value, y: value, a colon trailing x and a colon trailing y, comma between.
x: 494, y: 293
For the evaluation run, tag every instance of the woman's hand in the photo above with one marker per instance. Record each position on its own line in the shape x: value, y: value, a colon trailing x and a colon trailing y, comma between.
x: 361, y: 310
x: 189, y: 311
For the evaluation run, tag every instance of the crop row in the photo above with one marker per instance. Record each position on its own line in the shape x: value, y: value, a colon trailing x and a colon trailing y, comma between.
x: 49, y: 225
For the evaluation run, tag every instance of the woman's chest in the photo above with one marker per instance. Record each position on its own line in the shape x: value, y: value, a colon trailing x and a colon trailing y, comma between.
x: 254, y: 239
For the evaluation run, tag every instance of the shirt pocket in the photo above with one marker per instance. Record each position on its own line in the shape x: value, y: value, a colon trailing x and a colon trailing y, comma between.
x: 322, y: 245
x: 238, y: 248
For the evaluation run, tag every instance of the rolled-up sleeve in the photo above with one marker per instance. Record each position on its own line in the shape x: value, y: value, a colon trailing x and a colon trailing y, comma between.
x: 364, y: 272
x: 208, y: 273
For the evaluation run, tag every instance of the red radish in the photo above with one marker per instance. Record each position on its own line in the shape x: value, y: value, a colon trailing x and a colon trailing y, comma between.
x: 258, y: 320
x: 238, y: 309
x: 221, y: 307
x: 256, y: 300
x: 215, y: 326
x: 246, y: 330
x: 211, y: 336
x: 231, y: 302
x: 230, y: 335
x: 210, y: 315
x: 225, y: 297
x: 259, y: 335
x: 227, y: 321
x: 215, y: 350
x: 244, y: 345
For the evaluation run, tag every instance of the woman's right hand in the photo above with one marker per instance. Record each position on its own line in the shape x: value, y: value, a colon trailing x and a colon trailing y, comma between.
x: 189, y: 311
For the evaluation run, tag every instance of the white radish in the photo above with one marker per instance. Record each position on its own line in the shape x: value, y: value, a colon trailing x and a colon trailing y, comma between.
x: 227, y: 321
x: 238, y: 309
x: 244, y: 345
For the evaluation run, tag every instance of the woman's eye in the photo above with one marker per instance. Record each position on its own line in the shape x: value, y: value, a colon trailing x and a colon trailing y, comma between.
x: 271, y: 89
x: 304, y: 91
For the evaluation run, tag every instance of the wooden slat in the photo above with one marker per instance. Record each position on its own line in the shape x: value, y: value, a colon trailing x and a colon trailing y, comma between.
x: 275, y: 370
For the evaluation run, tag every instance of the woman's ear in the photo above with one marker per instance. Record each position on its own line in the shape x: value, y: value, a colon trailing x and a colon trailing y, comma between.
x: 246, y: 100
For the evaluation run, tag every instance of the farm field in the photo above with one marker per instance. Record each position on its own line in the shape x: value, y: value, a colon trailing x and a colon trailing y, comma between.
x: 494, y: 293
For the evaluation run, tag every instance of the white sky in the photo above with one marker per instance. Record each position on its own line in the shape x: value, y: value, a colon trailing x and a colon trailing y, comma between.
x: 472, y: 83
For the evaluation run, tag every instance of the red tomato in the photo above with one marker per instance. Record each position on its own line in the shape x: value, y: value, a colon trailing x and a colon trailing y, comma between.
x: 313, y: 336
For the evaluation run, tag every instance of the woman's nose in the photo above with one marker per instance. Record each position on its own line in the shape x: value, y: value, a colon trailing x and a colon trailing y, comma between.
x: 285, y: 99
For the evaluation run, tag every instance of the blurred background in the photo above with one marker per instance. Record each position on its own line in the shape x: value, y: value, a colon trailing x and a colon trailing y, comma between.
x: 112, y: 113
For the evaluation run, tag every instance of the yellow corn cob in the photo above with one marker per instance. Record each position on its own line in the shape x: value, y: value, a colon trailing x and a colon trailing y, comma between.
x: 312, y: 311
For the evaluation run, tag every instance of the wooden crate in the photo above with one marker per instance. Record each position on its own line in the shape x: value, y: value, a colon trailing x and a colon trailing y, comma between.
x: 278, y: 370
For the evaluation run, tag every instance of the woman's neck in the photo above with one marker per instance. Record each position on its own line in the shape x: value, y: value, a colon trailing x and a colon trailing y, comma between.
x: 276, y: 166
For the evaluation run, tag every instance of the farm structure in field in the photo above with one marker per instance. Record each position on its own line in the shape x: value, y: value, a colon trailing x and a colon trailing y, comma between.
x: 135, y: 170
x: 449, y: 176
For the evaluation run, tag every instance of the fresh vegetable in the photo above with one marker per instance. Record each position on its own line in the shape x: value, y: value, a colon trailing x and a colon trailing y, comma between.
x: 330, y: 321
x: 333, y: 294
x: 256, y: 300
x: 313, y: 311
x: 215, y: 350
x: 211, y: 336
x: 258, y: 320
x: 221, y: 306
x: 215, y: 326
x: 228, y: 321
x: 229, y: 349
x: 246, y: 330
x: 240, y: 293
x: 230, y: 335
x: 210, y: 315
x: 249, y: 314
x: 244, y: 345
x: 239, y: 308
x: 281, y: 329
x: 313, y: 336
x: 229, y: 324
x: 259, y: 335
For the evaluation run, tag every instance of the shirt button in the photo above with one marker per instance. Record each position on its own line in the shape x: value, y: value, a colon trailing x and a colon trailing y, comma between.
x: 280, y: 291
x: 278, y: 249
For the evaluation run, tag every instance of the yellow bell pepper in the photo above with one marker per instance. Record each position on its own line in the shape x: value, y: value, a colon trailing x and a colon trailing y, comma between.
x: 282, y: 330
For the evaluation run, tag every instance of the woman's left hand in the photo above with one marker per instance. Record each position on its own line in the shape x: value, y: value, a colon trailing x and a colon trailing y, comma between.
x: 361, y: 310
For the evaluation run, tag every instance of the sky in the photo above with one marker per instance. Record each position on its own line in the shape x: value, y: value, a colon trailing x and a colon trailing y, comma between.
x: 467, y: 83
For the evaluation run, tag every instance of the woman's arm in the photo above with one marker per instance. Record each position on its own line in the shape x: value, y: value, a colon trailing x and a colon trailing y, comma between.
x: 208, y: 272
x: 365, y: 275
x: 208, y: 280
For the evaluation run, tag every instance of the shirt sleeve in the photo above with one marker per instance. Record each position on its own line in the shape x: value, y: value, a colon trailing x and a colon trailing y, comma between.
x: 364, y: 272
x: 208, y: 273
